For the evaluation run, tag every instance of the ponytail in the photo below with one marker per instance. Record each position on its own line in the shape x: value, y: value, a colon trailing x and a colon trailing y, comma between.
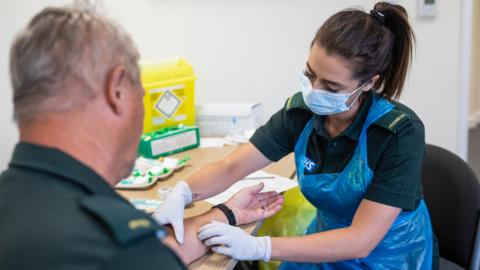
x: 380, y: 42
x: 396, y: 20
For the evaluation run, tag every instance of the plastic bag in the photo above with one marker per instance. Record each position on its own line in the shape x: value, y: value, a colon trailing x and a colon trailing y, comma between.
x: 292, y: 220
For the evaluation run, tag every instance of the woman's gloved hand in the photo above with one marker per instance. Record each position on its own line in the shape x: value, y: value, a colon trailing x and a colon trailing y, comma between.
x: 173, y: 207
x: 234, y: 242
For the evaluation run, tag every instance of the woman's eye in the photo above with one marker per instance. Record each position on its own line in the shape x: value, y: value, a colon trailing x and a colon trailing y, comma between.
x: 308, y: 75
x: 331, y: 90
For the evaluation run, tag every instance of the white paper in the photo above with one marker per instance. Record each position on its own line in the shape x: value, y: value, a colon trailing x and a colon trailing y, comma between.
x: 272, y: 183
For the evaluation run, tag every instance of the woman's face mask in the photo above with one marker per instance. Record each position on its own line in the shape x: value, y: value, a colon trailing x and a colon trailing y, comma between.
x: 323, y: 102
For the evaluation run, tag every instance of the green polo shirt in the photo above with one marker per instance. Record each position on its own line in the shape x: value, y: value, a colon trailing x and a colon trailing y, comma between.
x: 395, y: 146
x: 57, y: 213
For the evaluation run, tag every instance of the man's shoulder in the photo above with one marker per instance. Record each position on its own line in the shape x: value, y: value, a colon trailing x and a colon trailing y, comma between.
x: 132, y: 233
x: 38, y: 191
x: 57, y: 222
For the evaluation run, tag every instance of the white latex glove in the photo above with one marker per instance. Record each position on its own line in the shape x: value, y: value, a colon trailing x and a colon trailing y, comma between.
x: 173, y: 207
x: 234, y: 242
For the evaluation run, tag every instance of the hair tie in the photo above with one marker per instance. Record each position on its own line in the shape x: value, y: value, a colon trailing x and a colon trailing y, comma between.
x: 380, y: 17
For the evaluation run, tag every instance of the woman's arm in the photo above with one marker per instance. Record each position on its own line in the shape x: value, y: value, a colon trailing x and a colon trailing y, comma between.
x: 370, y: 224
x: 206, y: 182
x: 218, y: 176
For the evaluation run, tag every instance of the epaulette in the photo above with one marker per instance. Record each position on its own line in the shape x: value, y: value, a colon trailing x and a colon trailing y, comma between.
x: 124, y: 221
x: 393, y: 120
x: 295, y: 102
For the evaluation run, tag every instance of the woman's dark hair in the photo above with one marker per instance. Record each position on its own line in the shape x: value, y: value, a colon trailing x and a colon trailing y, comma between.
x: 380, y: 42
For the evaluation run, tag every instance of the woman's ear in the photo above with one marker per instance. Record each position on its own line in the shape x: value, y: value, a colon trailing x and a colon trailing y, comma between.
x: 370, y: 83
x: 115, y: 89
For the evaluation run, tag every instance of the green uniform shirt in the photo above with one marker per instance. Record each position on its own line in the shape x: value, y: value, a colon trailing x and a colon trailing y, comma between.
x: 395, y: 145
x: 57, y: 213
x: 395, y: 149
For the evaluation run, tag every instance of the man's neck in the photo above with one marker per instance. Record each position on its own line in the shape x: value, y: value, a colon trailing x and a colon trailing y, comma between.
x: 79, y: 143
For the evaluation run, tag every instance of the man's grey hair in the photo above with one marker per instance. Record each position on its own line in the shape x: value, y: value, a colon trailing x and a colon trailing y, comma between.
x: 63, y: 57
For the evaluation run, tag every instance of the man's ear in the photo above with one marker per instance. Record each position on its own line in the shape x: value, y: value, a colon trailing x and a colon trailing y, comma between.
x: 370, y: 83
x: 115, y: 89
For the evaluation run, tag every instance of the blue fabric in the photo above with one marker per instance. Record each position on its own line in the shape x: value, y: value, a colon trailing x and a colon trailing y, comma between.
x: 408, y: 243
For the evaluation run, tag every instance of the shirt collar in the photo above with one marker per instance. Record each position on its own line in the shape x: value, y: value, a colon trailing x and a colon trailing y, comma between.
x: 59, y: 163
x: 354, y: 130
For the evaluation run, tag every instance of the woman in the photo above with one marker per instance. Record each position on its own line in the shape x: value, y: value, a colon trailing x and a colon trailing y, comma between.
x: 358, y: 156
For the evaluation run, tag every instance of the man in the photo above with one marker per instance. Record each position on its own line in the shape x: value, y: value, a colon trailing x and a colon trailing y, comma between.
x: 78, y: 106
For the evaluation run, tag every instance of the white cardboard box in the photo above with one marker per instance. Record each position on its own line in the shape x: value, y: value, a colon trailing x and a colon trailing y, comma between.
x: 221, y: 119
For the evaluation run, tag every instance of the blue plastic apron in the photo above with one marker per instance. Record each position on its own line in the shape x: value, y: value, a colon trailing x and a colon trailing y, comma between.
x: 408, y: 243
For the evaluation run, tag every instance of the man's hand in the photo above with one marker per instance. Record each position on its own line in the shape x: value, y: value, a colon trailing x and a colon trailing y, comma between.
x: 249, y: 204
x: 234, y: 242
x: 172, y: 209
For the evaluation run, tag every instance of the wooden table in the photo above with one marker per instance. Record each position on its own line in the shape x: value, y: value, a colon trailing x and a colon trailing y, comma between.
x: 200, y: 157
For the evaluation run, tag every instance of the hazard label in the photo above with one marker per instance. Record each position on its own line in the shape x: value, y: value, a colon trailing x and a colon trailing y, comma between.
x: 168, y: 104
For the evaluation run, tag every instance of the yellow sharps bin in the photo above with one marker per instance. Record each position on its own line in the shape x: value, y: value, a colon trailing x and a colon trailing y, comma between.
x: 169, y: 93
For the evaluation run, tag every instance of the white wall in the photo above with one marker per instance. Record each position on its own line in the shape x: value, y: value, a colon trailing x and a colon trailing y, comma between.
x: 475, y: 65
x: 247, y: 50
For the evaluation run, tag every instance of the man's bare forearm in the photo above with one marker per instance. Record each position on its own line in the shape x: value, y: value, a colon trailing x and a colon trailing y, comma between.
x: 193, y: 248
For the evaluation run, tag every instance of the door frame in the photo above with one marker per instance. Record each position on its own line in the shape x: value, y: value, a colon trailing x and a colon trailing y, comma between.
x: 465, y: 69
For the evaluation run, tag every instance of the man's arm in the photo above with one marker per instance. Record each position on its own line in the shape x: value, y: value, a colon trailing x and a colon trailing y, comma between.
x: 192, y: 248
x: 248, y: 205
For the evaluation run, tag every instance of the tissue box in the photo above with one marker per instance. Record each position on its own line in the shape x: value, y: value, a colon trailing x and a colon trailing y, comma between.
x: 221, y: 119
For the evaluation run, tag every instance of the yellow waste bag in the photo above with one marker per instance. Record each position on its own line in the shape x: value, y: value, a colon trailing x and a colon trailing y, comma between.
x: 292, y: 220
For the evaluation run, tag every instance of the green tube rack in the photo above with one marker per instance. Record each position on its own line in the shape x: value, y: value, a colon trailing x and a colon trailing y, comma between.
x: 168, y: 141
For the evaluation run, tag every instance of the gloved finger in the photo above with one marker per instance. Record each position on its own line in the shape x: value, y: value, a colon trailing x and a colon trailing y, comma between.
x: 207, y: 233
x: 204, y: 227
x: 223, y: 250
x: 219, y: 240
x: 210, y: 230
x: 208, y: 226
x: 160, y: 217
x: 178, y: 230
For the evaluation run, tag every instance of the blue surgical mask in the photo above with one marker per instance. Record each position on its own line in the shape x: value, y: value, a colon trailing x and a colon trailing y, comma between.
x: 323, y: 102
